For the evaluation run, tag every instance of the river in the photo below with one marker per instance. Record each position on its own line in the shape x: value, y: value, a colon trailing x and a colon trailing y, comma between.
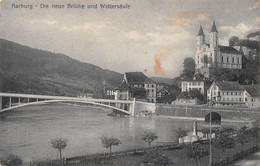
x: 27, y: 131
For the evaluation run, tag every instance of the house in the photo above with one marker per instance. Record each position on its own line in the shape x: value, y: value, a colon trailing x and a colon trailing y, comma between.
x: 138, y: 85
x: 150, y: 87
x: 123, y: 92
x: 162, y: 91
x: 226, y: 93
x: 252, y: 96
x: 188, y: 84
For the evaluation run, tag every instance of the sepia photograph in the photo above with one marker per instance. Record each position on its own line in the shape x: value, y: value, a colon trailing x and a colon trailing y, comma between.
x: 129, y: 83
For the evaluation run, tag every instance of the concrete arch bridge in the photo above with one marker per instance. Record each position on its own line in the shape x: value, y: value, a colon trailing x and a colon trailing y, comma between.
x: 13, y: 100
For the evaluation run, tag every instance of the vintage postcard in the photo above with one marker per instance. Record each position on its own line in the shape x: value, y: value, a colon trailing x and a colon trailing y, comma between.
x: 129, y: 82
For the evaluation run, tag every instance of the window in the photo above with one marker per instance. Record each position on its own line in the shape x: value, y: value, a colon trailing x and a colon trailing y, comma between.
x: 231, y: 93
x: 246, y: 99
x: 223, y: 93
x: 235, y: 93
x: 222, y: 59
x: 233, y: 60
x: 252, y: 100
x: 240, y: 99
x: 238, y: 60
x: 227, y: 59
x: 227, y: 93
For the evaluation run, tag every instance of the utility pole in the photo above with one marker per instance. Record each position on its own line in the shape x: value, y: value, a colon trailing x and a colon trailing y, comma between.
x: 210, y: 130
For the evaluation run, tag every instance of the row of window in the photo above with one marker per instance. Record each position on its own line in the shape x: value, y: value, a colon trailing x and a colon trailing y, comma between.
x: 232, y: 60
x: 231, y: 99
x: 222, y: 59
x: 193, y: 83
x: 150, y: 85
x: 231, y: 93
x: 195, y: 88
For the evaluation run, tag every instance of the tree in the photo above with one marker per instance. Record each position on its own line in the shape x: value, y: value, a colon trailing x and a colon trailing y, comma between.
x: 109, y: 141
x: 254, y: 130
x: 195, y: 93
x: 59, y: 144
x: 224, y: 139
x: 188, y: 67
x: 243, y: 136
x: 139, y: 92
x: 149, y: 137
x: 11, y: 160
x: 195, y: 152
x: 232, y: 40
x: 255, y: 34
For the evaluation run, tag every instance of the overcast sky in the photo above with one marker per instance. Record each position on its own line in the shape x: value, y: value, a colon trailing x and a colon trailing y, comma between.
x: 153, y: 36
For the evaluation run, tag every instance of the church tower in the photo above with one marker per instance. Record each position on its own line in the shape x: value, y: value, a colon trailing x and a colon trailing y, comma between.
x: 200, y: 39
x: 213, y: 39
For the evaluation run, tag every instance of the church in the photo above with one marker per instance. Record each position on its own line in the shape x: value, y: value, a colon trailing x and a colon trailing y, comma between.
x: 215, y: 55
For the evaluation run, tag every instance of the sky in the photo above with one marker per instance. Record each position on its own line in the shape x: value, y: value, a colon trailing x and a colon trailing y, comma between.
x: 152, y: 36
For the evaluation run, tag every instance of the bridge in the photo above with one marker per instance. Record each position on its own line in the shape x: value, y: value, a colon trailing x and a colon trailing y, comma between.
x: 9, y: 101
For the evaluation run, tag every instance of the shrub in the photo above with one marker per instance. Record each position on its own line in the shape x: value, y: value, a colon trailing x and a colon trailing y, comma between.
x: 11, y: 160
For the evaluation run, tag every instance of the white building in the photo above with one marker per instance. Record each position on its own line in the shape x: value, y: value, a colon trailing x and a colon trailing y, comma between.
x: 252, y: 96
x: 226, y: 93
x: 196, y: 82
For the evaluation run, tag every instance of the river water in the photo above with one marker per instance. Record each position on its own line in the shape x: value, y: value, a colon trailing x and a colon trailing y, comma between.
x: 27, y: 131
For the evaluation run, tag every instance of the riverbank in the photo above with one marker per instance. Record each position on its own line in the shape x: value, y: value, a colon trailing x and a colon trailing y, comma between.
x: 203, y: 119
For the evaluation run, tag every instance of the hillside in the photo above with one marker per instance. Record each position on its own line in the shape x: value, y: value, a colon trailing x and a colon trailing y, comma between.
x: 28, y: 70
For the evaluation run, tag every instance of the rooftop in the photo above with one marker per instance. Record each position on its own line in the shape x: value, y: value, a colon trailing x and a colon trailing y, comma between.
x: 227, y: 49
x: 229, y: 86
x: 135, y: 77
x: 253, y: 90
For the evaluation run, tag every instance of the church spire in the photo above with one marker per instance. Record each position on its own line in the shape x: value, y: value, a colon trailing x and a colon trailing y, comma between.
x: 201, y: 32
x: 213, y: 28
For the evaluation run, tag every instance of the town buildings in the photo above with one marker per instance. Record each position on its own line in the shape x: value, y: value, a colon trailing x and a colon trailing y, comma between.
x: 139, y: 86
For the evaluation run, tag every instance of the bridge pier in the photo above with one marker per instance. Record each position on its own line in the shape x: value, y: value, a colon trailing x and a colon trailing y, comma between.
x: 132, y: 110
x: 19, y: 101
x: 10, y: 101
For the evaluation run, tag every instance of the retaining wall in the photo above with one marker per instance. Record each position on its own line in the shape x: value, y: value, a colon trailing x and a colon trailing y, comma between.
x: 202, y: 111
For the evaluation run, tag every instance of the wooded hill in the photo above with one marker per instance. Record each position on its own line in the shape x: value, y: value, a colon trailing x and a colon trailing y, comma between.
x: 28, y: 70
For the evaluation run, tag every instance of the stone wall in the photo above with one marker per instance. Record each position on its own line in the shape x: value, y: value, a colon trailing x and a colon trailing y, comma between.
x: 143, y: 106
x: 201, y: 112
